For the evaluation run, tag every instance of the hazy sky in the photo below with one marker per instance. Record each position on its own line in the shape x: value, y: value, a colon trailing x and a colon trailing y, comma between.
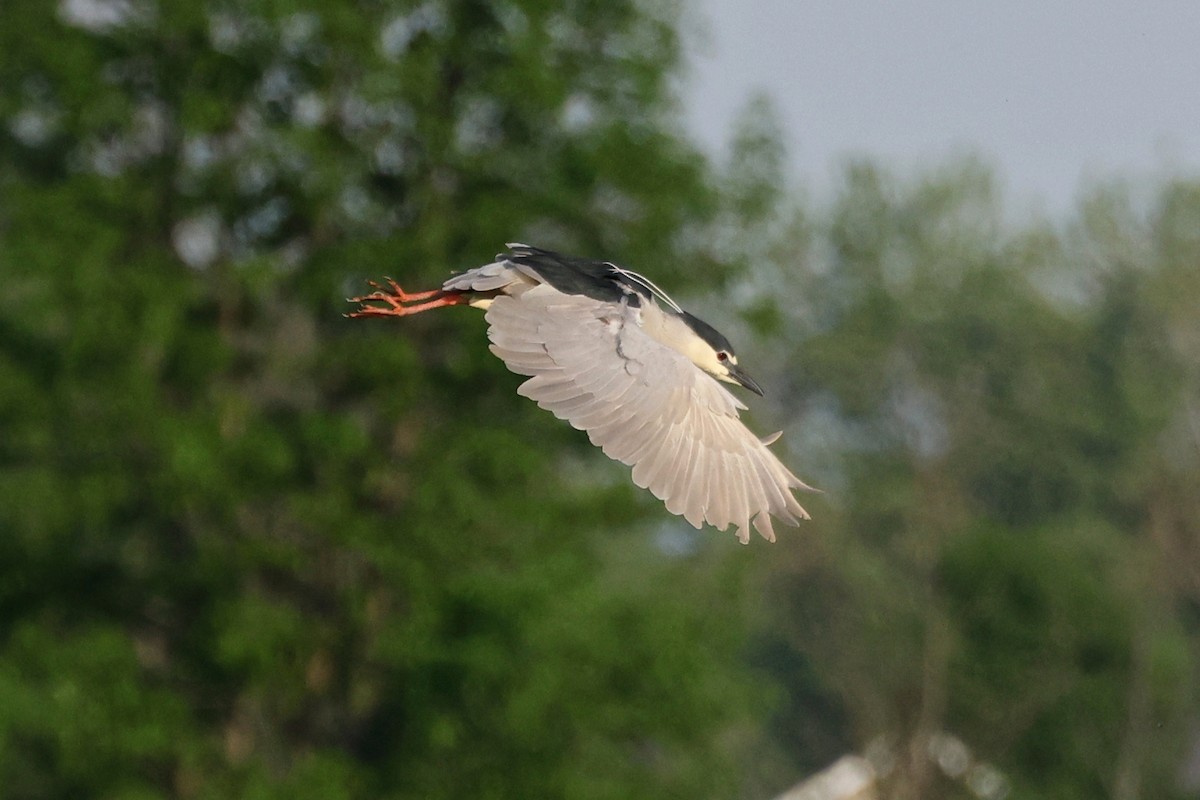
x: 1054, y: 94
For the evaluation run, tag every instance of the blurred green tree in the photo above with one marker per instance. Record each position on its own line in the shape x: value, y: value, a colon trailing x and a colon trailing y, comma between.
x: 1005, y: 413
x: 252, y: 550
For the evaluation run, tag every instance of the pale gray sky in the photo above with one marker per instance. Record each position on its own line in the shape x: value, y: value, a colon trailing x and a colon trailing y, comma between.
x: 1054, y: 94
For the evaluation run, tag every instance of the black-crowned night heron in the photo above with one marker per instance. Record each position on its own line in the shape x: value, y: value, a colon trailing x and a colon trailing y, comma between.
x: 611, y: 353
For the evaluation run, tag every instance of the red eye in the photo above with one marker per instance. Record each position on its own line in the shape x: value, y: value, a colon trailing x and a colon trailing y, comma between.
x: 722, y: 356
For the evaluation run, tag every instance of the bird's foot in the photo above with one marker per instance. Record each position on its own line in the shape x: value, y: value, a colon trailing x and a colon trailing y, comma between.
x: 399, y: 303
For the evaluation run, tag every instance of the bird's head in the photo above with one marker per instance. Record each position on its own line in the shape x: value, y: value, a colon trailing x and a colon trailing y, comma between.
x: 711, y: 351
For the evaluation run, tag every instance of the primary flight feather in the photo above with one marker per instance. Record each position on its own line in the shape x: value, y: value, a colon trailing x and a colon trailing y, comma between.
x: 607, y: 350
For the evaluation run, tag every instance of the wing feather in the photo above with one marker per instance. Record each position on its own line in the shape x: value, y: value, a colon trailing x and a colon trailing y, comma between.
x: 697, y: 491
x: 652, y: 452
x: 762, y: 524
x: 679, y: 487
x: 490, y: 277
x: 664, y: 463
x: 718, y: 513
x: 738, y: 501
x: 549, y: 389
x: 777, y: 496
x: 756, y: 491
x: 644, y: 404
x: 700, y: 486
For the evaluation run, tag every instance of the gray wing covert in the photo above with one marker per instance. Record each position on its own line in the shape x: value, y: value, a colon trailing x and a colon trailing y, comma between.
x: 644, y: 405
x: 490, y: 277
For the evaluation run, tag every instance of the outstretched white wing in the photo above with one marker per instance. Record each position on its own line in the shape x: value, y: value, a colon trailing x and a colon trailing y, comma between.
x: 645, y: 405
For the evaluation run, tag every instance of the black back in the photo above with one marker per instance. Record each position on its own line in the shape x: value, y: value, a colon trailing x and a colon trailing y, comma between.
x: 604, y: 281
x: 599, y: 280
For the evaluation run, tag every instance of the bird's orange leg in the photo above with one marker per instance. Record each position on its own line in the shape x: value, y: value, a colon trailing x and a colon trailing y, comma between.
x: 399, y: 303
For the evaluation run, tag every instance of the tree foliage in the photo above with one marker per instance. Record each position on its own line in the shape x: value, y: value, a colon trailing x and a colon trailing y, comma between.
x: 253, y: 549
x: 1009, y: 417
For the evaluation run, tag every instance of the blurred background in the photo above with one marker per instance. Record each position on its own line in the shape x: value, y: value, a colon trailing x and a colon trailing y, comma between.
x: 1058, y: 96
x: 249, y: 548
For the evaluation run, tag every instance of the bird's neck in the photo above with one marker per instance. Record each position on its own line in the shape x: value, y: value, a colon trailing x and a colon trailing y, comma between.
x: 670, y: 330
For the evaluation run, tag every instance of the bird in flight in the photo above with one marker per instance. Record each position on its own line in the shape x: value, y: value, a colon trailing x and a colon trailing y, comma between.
x: 608, y: 351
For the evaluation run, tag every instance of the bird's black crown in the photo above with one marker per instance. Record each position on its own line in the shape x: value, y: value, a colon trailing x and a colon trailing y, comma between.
x: 715, y: 339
